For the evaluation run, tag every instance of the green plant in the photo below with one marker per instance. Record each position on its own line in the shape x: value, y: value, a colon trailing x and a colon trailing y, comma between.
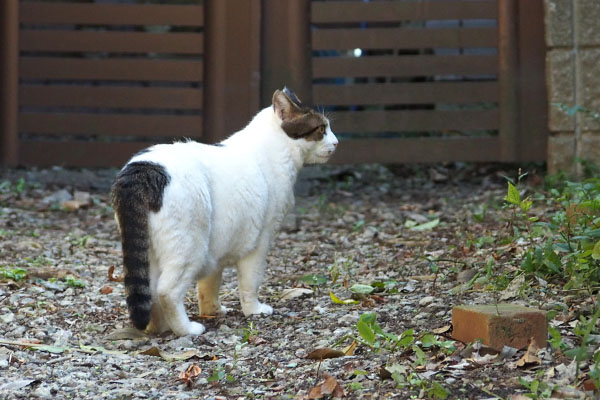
x: 313, y: 279
x: 74, y: 283
x: 537, y: 389
x: 219, y: 374
x: 583, y: 330
x: 249, y: 332
x: 15, y: 274
x: 376, y: 338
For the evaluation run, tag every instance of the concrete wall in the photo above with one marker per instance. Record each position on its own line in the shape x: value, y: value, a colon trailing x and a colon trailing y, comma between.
x: 573, y: 78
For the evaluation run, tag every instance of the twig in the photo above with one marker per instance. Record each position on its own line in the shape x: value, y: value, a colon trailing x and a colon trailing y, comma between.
x: 59, y: 359
x: 318, y: 368
x: 580, y: 289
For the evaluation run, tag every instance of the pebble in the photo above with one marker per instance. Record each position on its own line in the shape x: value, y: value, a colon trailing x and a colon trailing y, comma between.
x: 7, y: 318
x: 425, y: 301
x: 43, y: 392
x: 181, y: 343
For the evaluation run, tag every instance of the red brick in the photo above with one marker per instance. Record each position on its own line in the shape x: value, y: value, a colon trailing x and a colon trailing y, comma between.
x: 508, y: 324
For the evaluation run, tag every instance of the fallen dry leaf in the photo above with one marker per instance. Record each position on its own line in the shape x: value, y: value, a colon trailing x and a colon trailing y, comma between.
x: 156, y: 352
x: 325, y: 352
x: 443, y: 329
x: 330, y: 387
x: 530, y: 357
x: 126, y: 333
x: 47, y: 273
x: 189, y: 375
x: 288, y: 294
x: 106, y: 290
x: 111, y: 277
x: 349, y: 350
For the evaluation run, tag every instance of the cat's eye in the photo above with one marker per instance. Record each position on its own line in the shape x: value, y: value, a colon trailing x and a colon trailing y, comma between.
x: 322, y: 129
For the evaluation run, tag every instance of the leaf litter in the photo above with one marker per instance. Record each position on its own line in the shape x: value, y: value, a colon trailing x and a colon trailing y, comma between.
x: 366, y: 240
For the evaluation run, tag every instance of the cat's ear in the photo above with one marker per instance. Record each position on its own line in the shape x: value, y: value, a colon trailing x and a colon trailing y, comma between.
x: 297, y: 121
x: 284, y: 106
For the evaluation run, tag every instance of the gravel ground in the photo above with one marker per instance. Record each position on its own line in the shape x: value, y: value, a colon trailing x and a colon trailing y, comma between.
x: 64, y: 331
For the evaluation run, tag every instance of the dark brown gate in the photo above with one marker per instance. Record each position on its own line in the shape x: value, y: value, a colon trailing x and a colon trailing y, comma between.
x: 430, y: 81
x: 90, y: 82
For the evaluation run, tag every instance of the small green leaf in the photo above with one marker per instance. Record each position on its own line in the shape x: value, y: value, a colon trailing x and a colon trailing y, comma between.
x: 513, y: 196
x: 426, y: 226
x: 439, y: 392
x: 368, y: 318
x: 362, y: 289
x: 337, y: 300
x: 596, y: 251
x: 313, y: 280
x: 525, y: 205
x: 366, y: 332
x: 429, y: 340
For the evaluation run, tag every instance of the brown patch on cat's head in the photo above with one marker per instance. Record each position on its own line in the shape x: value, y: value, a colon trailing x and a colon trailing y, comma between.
x: 298, y: 121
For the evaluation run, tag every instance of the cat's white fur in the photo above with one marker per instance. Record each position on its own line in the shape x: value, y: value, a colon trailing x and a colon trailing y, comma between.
x: 222, y: 208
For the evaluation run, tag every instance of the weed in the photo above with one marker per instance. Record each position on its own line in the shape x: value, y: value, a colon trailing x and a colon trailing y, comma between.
x: 249, y: 332
x: 219, y: 374
x: 15, y: 274
x: 74, y: 283
x: 537, y: 389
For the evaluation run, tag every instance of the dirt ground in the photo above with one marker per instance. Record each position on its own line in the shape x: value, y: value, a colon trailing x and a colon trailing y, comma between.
x: 417, y: 234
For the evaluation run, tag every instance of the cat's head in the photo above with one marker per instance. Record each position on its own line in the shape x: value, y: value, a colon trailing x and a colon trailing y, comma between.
x: 308, y: 128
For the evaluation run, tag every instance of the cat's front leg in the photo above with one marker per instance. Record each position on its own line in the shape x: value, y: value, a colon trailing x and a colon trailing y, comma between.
x: 208, y: 294
x: 250, y: 275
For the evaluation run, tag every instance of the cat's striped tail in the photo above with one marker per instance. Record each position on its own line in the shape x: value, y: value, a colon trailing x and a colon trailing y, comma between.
x: 138, y: 189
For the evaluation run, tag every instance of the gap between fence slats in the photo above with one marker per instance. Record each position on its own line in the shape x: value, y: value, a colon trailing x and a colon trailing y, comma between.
x: 428, y: 65
x: 110, y: 97
x: 111, y: 14
x: 110, y: 69
x: 414, y: 120
x: 426, y: 150
x: 405, y: 93
x: 403, y: 38
x: 119, y: 42
x: 346, y: 12
x: 110, y: 124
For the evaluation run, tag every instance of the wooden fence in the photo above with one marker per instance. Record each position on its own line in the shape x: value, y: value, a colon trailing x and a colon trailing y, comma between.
x: 91, y: 82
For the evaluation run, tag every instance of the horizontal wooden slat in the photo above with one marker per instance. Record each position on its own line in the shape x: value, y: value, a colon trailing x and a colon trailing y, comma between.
x: 333, y: 67
x: 111, y: 124
x: 426, y: 150
x: 386, y: 11
x: 415, y: 121
x: 405, y: 93
x: 402, y: 38
x: 77, y: 154
x: 110, y: 97
x: 120, y: 42
x: 111, y: 14
x: 110, y: 69
x: 102, y: 154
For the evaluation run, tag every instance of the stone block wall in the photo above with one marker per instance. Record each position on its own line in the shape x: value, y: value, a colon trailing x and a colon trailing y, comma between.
x: 573, y: 79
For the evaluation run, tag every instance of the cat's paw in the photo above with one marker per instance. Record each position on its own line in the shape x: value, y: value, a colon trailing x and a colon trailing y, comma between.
x: 213, y: 310
x: 194, y: 329
x: 258, y: 308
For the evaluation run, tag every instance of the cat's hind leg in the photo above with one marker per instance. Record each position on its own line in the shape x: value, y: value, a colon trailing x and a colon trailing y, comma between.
x: 208, y: 294
x: 251, y: 271
x: 172, y: 286
x: 158, y: 323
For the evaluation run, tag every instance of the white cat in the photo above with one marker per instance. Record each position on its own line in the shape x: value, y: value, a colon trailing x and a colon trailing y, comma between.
x: 187, y: 210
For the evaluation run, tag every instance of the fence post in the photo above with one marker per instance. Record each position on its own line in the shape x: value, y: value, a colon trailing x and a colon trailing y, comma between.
x: 9, y: 82
x: 232, y: 66
x: 508, y: 79
x: 286, y: 49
